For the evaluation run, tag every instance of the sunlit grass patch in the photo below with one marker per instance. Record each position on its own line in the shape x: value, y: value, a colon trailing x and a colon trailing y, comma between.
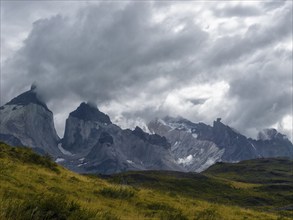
x: 26, y: 187
x: 116, y: 192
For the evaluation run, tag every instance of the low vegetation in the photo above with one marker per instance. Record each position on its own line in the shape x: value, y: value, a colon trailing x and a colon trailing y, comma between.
x: 34, y: 187
x: 44, y: 206
x: 116, y: 192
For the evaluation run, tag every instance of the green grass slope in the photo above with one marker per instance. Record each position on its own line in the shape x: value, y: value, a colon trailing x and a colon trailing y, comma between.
x: 263, y: 171
x: 34, y: 187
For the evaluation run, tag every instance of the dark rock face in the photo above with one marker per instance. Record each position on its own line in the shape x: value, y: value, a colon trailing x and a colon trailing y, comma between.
x: 271, y: 143
x: 237, y: 147
x: 151, y: 138
x: 10, y: 139
x: 105, y: 138
x: 83, y: 127
x: 203, y: 131
x: 87, y: 112
x: 139, y: 133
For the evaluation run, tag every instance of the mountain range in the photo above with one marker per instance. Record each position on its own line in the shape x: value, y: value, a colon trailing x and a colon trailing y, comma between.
x: 93, y: 144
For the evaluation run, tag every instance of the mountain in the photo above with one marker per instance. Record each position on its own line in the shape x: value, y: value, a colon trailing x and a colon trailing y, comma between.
x: 93, y: 144
x: 82, y: 128
x: 271, y: 143
x: 27, y: 121
x: 193, y: 154
x: 34, y: 187
x: 197, y: 145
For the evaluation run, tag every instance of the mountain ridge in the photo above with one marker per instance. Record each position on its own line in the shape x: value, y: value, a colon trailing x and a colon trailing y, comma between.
x: 92, y: 143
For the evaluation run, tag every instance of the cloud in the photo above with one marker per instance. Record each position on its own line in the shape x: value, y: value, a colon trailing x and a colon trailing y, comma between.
x: 263, y: 91
x: 140, y: 60
x: 229, y: 49
x: 238, y: 10
x: 105, y: 50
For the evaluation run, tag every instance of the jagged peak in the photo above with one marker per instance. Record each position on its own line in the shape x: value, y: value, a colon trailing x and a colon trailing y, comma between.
x: 28, y: 97
x: 151, y: 138
x: 218, y: 122
x: 89, y: 112
x: 33, y: 87
x: 270, y: 134
x: 139, y: 132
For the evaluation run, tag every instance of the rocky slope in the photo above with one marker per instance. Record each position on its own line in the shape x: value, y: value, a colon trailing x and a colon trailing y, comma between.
x: 271, y: 143
x: 197, y: 145
x: 93, y: 144
x: 193, y: 154
x: 83, y: 127
x: 27, y: 121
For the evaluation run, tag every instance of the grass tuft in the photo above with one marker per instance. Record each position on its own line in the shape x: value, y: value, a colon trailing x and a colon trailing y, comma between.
x: 116, y: 192
x: 44, y: 207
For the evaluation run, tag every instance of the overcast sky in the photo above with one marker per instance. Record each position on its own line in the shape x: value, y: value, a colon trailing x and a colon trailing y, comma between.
x: 141, y: 60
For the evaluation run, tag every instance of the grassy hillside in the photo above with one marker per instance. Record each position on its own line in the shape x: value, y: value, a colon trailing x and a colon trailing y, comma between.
x: 263, y: 171
x: 33, y: 187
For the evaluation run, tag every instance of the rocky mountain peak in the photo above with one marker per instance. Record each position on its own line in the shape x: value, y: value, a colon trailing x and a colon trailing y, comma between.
x: 139, y: 133
x: 88, y: 112
x: 26, y: 120
x: 151, y: 138
x: 27, y: 98
x: 218, y: 124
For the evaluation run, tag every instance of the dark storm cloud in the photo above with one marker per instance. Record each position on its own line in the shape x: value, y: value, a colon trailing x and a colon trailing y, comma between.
x: 103, y: 51
x: 118, y: 56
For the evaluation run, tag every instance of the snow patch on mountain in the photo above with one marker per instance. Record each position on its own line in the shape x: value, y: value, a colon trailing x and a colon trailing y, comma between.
x: 130, y: 161
x: 187, y: 150
x: 185, y: 161
x: 194, y: 135
x: 59, y: 160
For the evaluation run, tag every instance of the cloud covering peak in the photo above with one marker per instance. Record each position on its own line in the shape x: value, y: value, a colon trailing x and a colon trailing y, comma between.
x: 139, y: 60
